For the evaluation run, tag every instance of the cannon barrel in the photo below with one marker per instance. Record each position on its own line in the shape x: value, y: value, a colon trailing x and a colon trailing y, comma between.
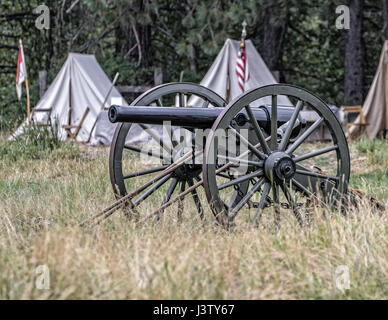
x: 200, y: 118
x: 184, y: 117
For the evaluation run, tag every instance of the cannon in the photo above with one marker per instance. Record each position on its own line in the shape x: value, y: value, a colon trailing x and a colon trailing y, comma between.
x: 243, y: 153
x: 198, y: 118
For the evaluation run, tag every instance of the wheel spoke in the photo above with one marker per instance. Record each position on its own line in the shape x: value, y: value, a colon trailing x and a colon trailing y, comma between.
x: 290, y: 126
x: 151, y: 190
x: 167, y: 197
x: 205, y: 104
x: 263, y: 199
x: 303, y: 188
x: 168, y: 129
x: 275, y: 194
x: 304, y: 136
x: 315, y: 153
x: 251, y: 147
x: 317, y: 175
x: 154, y: 135
x: 198, y: 179
x: 196, y: 199
x: 229, y: 164
x: 307, y: 192
x: 258, y: 131
x: 180, y: 202
x: 240, y: 160
x: 250, y: 176
x: 181, y: 100
x: 274, y: 122
x: 246, y: 198
x: 223, y: 175
x: 176, y: 198
x: 141, y: 173
x: 151, y: 153
x: 159, y: 102
x: 170, y: 190
x: 292, y: 203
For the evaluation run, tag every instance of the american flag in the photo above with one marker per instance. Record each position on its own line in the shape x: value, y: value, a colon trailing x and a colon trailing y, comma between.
x: 242, y: 62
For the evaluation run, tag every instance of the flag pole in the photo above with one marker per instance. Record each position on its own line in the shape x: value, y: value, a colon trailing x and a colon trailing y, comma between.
x: 28, y: 104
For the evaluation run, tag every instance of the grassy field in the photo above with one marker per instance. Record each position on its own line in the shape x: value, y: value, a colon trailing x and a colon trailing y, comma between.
x: 45, y: 194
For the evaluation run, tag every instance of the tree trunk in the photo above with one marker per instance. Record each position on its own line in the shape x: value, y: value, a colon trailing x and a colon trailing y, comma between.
x: 354, y: 56
x: 134, y: 40
x: 275, y: 28
x: 50, y: 49
x: 124, y: 39
x: 145, y: 45
x: 42, y: 82
x: 192, y: 56
x: 385, y: 19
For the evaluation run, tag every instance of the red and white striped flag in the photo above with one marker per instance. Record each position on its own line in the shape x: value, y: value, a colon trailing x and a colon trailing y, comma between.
x: 242, y: 70
x: 21, y: 73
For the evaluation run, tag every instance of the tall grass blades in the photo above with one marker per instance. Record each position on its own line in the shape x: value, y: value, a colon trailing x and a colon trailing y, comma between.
x: 36, y: 143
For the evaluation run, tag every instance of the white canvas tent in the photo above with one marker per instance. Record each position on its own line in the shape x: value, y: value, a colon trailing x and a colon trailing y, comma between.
x: 81, y: 83
x: 375, y: 107
x: 222, y: 77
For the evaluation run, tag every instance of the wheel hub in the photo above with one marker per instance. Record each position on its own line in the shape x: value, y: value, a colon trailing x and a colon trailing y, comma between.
x: 189, y: 170
x: 279, y: 166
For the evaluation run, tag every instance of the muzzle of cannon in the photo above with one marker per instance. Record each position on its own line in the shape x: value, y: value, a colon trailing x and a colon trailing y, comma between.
x: 281, y: 169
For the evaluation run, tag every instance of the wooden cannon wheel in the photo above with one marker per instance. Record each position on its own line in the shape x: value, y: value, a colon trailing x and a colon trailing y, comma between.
x: 126, y: 178
x: 275, y: 162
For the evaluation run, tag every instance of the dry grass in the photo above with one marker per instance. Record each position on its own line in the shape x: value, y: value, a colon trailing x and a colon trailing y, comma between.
x: 42, y: 201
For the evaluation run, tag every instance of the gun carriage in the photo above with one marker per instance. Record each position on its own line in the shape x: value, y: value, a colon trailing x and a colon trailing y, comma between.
x: 268, y: 163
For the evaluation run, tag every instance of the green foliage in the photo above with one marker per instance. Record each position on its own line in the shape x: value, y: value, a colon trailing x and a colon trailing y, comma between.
x: 12, y: 111
x: 376, y: 150
x: 185, y: 36
x: 129, y: 73
x: 375, y: 179
x: 314, y: 51
x: 37, y: 143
